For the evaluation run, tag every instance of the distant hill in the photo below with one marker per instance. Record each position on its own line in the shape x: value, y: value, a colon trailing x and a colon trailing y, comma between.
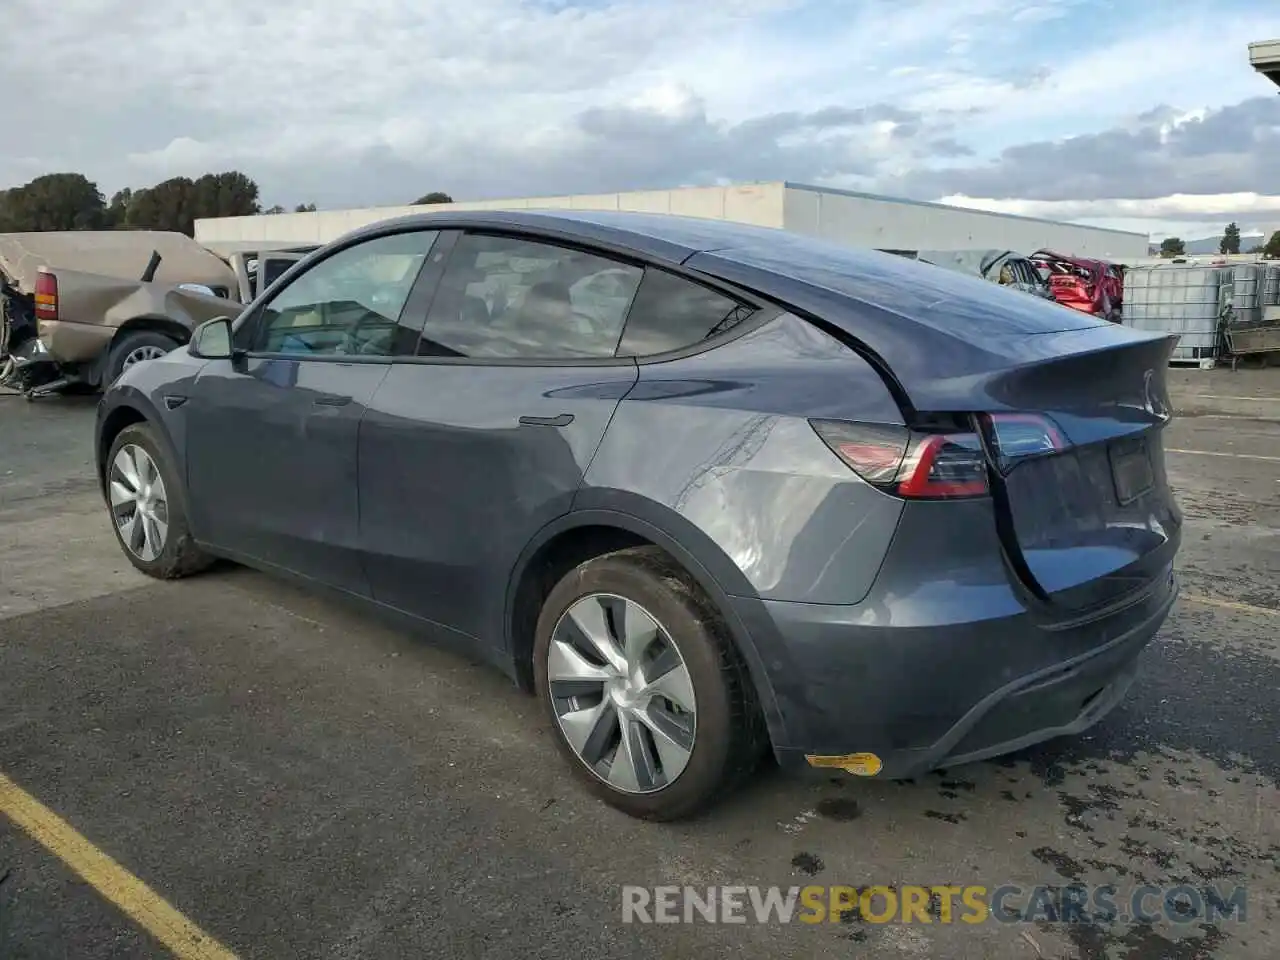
x: 1211, y: 244
x: 1207, y: 245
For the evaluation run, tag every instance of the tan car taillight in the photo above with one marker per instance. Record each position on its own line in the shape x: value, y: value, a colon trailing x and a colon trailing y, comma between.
x: 46, y: 296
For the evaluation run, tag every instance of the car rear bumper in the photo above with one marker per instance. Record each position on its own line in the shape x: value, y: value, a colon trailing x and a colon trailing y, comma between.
x: 67, y: 341
x: 923, y: 698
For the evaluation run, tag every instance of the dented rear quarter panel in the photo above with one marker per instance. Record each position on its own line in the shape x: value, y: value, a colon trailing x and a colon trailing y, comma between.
x: 716, y: 449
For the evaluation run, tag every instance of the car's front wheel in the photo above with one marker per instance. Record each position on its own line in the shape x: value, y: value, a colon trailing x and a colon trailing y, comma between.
x: 148, y: 507
x: 650, y: 700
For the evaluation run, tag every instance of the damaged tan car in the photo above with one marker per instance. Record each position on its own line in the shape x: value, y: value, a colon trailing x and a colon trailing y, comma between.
x: 81, y: 307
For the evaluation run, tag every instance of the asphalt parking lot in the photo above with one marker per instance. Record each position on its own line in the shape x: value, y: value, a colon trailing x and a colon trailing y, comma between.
x: 301, y: 782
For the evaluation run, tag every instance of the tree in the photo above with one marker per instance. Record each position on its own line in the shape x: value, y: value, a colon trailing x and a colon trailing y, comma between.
x: 1230, y: 239
x: 305, y: 208
x: 166, y: 206
x: 1256, y: 248
x: 176, y: 203
x: 55, y: 201
x: 276, y: 208
x: 118, y: 210
x: 1272, y: 247
x: 435, y: 196
x: 1172, y: 247
x: 228, y: 194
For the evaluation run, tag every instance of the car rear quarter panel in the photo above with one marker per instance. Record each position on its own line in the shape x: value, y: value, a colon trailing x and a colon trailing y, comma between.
x: 71, y: 342
x: 722, y: 440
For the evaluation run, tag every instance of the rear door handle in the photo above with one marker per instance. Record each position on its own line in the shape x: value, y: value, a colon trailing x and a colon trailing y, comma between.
x: 332, y: 401
x: 561, y: 421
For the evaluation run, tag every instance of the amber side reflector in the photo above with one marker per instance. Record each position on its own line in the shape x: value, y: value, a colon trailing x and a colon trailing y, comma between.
x: 859, y: 764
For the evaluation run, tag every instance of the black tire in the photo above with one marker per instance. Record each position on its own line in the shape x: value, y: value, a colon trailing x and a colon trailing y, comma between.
x: 730, y: 737
x: 180, y: 556
x: 126, y: 345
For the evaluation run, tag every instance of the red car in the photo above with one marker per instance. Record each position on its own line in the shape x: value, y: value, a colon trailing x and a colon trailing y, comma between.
x: 1090, y: 286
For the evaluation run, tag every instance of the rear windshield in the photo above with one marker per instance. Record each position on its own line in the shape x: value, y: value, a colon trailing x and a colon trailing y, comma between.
x: 970, y: 307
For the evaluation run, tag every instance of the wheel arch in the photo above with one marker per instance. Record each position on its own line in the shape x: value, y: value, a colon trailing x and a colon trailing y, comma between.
x: 134, y: 409
x: 156, y: 322
x: 586, y: 533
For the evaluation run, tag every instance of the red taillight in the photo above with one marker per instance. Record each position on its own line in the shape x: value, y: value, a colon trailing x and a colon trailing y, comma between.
x: 46, y: 296
x: 943, y: 465
x: 909, y: 464
x: 936, y: 466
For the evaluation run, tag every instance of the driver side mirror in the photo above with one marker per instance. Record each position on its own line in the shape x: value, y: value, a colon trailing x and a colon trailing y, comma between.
x: 212, y: 340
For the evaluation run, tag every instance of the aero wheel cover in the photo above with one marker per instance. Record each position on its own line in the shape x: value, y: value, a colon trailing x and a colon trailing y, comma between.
x: 138, y: 354
x: 622, y: 693
x: 139, y: 503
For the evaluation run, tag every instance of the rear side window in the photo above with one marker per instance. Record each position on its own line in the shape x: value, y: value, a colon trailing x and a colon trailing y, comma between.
x: 516, y: 299
x: 671, y: 313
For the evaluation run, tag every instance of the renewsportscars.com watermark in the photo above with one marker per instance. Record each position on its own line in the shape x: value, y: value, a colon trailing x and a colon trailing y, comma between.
x: 1009, y: 903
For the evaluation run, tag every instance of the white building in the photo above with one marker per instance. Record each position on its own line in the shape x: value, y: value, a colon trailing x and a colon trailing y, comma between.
x: 857, y: 219
x: 1265, y: 57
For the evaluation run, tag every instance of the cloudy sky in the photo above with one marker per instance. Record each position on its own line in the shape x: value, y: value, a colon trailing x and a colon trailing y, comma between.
x: 1127, y: 113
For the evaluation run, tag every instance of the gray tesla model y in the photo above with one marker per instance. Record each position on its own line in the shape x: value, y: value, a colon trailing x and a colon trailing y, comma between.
x: 709, y: 491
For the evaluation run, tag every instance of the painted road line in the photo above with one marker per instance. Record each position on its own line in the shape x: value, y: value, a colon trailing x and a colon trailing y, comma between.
x: 1219, y: 453
x: 1232, y: 605
x: 1214, y: 396
x: 134, y: 898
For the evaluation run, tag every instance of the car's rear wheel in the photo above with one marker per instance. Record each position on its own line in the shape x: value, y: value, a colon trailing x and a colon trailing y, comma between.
x: 134, y: 348
x: 148, y: 506
x: 650, y: 700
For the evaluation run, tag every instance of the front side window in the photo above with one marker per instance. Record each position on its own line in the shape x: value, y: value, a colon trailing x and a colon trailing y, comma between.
x: 511, y: 298
x: 671, y: 313
x: 348, y: 303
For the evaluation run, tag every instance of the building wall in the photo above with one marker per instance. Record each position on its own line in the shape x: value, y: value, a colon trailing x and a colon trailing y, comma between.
x: 864, y: 220
x: 855, y: 219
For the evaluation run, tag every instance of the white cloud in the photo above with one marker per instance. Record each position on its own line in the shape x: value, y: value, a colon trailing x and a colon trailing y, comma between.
x: 1037, y: 13
x: 377, y: 101
x: 1178, y: 206
x: 1189, y: 216
x: 669, y: 98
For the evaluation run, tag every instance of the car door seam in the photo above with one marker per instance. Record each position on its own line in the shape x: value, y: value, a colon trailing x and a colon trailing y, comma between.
x: 635, y: 366
x: 364, y: 412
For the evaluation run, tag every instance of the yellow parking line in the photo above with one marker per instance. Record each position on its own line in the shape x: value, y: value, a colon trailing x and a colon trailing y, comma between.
x: 138, y: 901
x: 1232, y: 605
